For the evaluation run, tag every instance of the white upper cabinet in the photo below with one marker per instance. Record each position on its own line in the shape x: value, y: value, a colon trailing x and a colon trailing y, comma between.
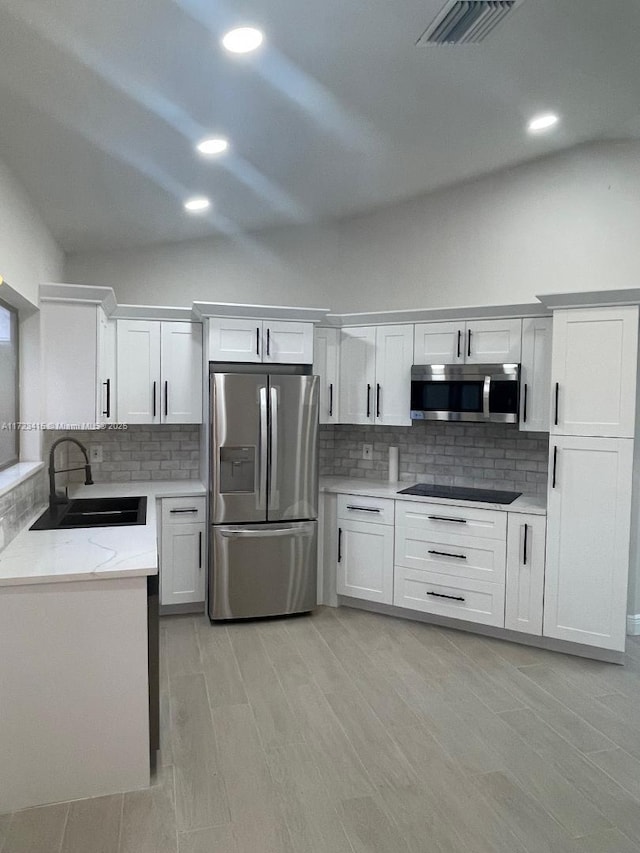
x: 70, y: 369
x: 375, y: 375
x: 138, y: 348
x: 235, y: 340
x: 357, y: 374
x: 535, y: 377
x: 260, y: 341
x: 588, y: 537
x: 326, y: 351
x: 394, y: 357
x: 471, y: 342
x: 594, y: 365
x: 439, y: 343
x: 493, y: 342
x: 287, y: 342
x: 181, y: 368
x: 159, y: 372
x: 106, y: 405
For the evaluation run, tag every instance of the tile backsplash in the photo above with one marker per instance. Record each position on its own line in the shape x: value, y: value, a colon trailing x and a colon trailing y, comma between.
x: 140, y: 452
x: 482, y: 455
x: 18, y: 506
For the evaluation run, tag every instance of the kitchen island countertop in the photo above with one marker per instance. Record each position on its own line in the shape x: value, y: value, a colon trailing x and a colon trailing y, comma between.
x: 53, y: 556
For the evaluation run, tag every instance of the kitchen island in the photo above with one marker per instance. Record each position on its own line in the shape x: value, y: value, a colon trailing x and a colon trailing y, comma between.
x: 74, y: 675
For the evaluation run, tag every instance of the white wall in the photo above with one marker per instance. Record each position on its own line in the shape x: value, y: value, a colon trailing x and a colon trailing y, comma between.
x: 565, y: 223
x: 28, y: 252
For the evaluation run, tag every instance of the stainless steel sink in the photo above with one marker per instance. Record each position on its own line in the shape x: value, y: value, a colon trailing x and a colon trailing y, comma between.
x: 95, y: 512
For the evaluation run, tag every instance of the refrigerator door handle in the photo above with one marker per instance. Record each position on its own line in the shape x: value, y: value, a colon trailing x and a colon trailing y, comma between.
x: 264, y: 432
x: 273, y: 485
x: 266, y: 534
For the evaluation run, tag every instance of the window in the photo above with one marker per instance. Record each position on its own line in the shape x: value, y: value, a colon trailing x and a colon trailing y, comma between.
x: 8, y: 386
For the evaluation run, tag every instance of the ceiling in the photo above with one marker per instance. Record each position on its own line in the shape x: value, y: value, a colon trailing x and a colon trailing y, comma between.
x: 101, y: 104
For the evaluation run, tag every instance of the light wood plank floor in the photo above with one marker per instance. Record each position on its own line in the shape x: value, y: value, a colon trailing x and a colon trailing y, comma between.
x: 349, y: 732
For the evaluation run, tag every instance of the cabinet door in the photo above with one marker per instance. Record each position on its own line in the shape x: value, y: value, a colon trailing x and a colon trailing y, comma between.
x: 594, y: 364
x: 325, y: 365
x: 526, y: 535
x: 182, y: 574
x: 106, y: 390
x: 439, y: 343
x: 287, y: 343
x: 535, y: 378
x: 365, y: 561
x: 138, y: 379
x: 589, y: 512
x: 181, y: 368
x: 235, y: 340
x: 357, y: 375
x: 69, y: 357
x: 394, y: 357
x: 493, y: 342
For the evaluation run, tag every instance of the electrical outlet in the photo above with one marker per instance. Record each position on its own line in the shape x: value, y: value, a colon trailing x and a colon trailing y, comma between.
x: 95, y: 453
x: 367, y: 451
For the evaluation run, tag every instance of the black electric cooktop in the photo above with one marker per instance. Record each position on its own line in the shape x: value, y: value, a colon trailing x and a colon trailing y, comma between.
x: 424, y: 490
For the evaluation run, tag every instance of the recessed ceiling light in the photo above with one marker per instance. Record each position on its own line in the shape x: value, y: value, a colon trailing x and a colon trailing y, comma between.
x: 544, y: 121
x: 212, y: 147
x: 242, y: 40
x: 198, y: 204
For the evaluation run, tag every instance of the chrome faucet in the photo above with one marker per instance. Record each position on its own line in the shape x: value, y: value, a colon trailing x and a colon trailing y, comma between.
x: 56, y: 498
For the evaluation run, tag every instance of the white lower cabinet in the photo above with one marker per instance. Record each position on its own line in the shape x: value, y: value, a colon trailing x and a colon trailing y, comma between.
x: 365, y: 548
x: 183, y: 551
x: 443, y: 566
x: 588, y: 538
x: 526, y: 535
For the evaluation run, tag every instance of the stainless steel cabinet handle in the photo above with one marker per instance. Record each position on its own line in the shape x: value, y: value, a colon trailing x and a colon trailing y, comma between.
x: 524, y: 549
x: 555, y: 466
x: 445, y: 518
x: 166, y: 398
x: 446, y: 554
x: 378, y: 400
x: 524, y: 405
x: 268, y: 341
x: 200, y: 549
x: 469, y: 344
x: 364, y: 508
x: 368, y: 401
x: 154, y: 399
x: 441, y: 595
x: 459, y: 342
x: 339, y: 544
x: 331, y: 399
x: 188, y: 509
x: 257, y: 340
x: 557, y: 396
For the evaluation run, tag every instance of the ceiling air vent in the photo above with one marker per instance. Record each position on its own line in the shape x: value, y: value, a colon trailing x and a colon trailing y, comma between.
x: 467, y: 21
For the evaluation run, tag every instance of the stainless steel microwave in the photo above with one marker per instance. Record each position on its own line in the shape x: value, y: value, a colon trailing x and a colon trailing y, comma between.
x: 485, y: 393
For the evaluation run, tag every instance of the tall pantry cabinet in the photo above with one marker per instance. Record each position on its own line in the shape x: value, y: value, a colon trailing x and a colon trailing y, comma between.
x: 593, y: 401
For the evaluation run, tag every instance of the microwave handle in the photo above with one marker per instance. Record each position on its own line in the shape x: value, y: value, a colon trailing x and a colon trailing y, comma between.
x: 486, y: 396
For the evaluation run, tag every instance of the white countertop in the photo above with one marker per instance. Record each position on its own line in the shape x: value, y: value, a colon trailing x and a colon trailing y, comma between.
x: 51, y: 556
x: 531, y: 504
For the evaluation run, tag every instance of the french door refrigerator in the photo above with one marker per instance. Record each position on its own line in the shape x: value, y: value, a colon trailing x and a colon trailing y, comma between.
x: 263, y: 494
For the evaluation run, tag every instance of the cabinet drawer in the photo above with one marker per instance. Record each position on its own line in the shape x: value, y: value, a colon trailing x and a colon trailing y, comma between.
x: 430, y: 592
x: 183, y: 510
x: 356, y: 507
x: 435, y: 519
x: 448, y: 554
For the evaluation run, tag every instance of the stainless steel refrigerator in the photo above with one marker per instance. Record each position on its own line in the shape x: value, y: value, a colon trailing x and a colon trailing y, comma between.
x: 263, y: 494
